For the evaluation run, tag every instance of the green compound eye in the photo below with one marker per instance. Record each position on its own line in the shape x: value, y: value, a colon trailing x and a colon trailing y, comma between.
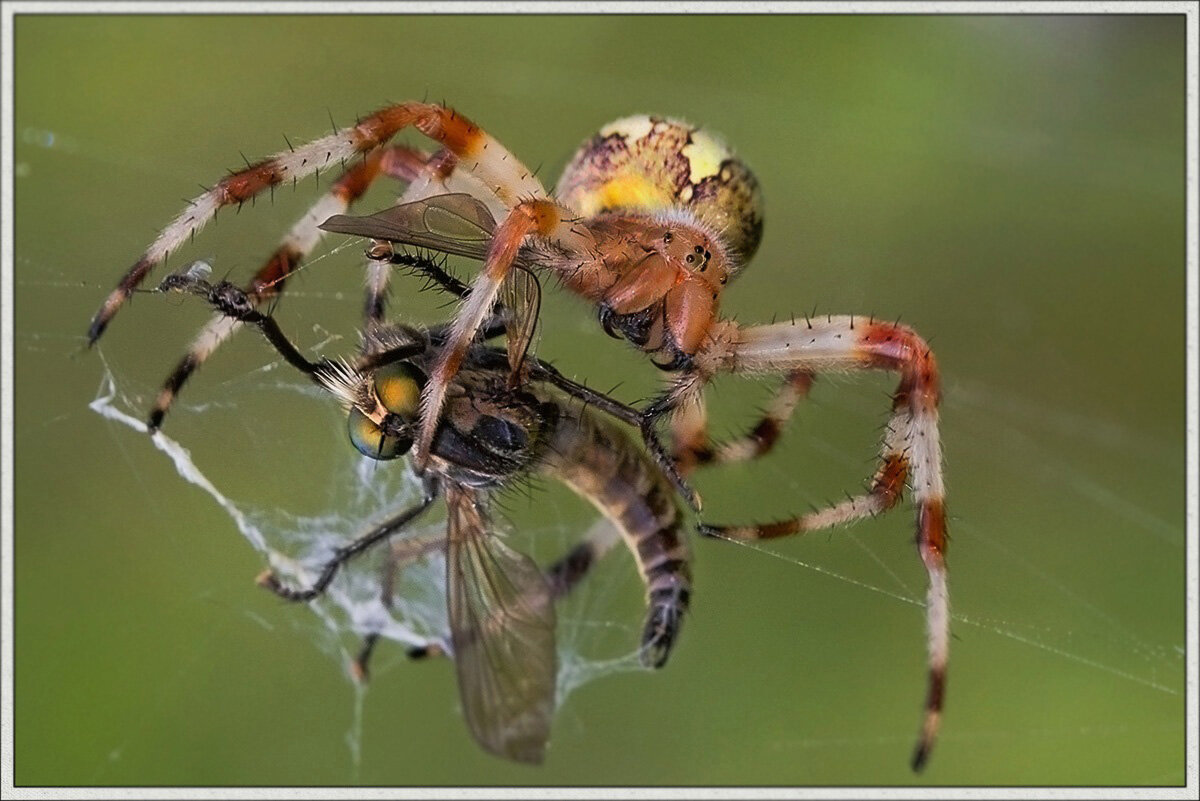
x: 371, y: 441
x: 398, y: 387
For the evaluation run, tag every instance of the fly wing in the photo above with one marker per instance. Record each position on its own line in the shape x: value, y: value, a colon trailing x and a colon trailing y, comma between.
x: 502, y: 631
x: 455, y: 223
x: 521, y: 296
x: 462, y: 225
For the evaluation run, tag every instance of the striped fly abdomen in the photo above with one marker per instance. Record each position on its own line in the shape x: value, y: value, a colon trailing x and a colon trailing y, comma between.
x: 595, y: 458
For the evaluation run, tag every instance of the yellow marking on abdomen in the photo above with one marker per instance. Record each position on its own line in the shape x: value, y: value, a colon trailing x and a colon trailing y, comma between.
x: 625, y: 192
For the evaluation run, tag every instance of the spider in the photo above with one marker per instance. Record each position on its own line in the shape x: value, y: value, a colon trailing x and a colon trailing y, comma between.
x: 649, y: 221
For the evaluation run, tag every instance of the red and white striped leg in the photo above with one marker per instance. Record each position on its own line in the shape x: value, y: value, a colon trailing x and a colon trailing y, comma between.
x: 689, y: 428
x: 911, y: 450
x: 271, y: 278
x: 425, y: 177
x: 422, y: 173
x: 529, y: 218
x: 476, y: 151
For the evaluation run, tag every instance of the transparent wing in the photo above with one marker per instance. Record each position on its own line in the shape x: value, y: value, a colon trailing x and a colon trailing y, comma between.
x: 455, y: 223
x: 502, y: 631
x: 521, y: 296
x: 460, y: 224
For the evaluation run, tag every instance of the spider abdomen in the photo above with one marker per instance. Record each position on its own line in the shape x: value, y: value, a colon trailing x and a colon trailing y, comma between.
x: 653, y: 164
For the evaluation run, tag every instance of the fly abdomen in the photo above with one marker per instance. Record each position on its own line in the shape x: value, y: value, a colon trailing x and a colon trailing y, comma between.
x: 596, y: 458
x: 668, y: 602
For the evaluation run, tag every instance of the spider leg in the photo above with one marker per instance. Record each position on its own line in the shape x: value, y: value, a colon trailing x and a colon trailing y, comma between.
x: 911, y: 450
x: 690, y: 443
x: 684, y: 391
x: 268, y: 284
x: 421, y: 172
x: 436, y: 174
x: 417, y: 171
x: 528, y: 218
x: 488, y: 160
x: 689, y: 428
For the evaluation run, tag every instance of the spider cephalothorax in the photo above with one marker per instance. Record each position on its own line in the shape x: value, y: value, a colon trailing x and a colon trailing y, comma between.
x: 676, y: 215
x: 651, y: 219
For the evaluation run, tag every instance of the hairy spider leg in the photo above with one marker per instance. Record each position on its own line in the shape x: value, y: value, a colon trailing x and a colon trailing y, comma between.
x: 477, y: 151
x: 529, y: 218
x: 434, y: 175
x: 692, y: 447
x: 418, y: 171
x: 422, y: 173
x: 911, y: 451
x: 269, y: 282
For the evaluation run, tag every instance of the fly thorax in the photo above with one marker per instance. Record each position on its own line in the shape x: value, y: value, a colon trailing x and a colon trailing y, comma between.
x: 487, y: 440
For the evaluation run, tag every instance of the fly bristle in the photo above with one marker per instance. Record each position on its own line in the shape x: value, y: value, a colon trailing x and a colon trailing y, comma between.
x: 382, y: 338
x: 348, y: 385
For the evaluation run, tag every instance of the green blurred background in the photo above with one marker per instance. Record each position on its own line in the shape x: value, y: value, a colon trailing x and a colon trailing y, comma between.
x: 1010, y: 186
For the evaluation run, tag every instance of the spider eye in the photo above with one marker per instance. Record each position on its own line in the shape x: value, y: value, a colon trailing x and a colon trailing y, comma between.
x: 371, y: 441
x: 398, y: 387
